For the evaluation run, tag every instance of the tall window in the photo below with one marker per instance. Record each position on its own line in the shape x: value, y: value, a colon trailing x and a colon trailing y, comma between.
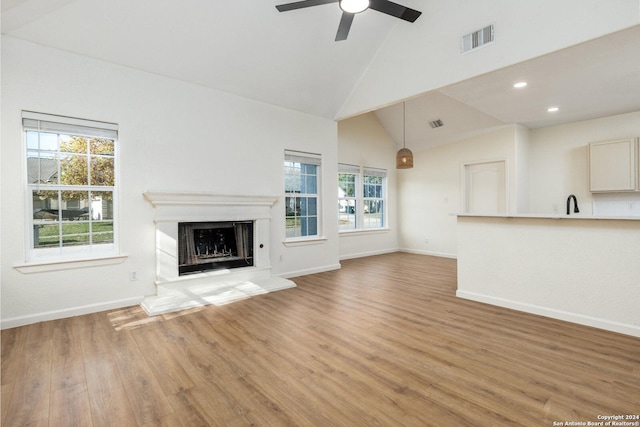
x: 348, y: 184
x: 361, y: 197
x: 373, y: 197
x: 71, y: 168
x: 301, y: 186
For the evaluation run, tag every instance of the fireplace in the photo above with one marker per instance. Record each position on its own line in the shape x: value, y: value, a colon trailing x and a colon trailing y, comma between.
x: 214, y: 245
x: 210, y: 249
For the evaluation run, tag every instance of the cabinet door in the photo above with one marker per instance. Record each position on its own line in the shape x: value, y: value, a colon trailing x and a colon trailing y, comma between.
x: 612, y: 165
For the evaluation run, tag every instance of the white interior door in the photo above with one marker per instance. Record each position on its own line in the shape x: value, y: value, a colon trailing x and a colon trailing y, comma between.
x: 485, y: 190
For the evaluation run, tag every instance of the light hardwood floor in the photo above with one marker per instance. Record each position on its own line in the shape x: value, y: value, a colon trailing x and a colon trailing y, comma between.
x: 381, y: 342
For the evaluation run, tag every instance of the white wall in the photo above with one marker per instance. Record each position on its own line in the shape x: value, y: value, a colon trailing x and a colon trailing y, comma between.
x: 363, y: 141
x: 559, y: 163
x: 173, y: 136
x: 523, y: 178
x: 431, y: 192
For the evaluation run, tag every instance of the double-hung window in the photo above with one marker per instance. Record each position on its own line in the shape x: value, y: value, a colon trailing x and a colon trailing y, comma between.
x: 348, y: 192
x: 361, y: 198
x: 373, y: 196
x: 302, y: 194
x: 71, y: 186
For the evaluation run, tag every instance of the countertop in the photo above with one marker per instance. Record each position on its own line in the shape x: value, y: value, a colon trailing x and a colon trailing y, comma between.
x: 550, y: 216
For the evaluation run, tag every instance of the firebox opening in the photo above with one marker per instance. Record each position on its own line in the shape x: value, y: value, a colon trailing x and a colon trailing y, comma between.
x: 204, y: 246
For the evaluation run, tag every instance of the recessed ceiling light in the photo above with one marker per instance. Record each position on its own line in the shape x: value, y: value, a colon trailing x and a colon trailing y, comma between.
x: 552, y: 109
x: 520, y: 85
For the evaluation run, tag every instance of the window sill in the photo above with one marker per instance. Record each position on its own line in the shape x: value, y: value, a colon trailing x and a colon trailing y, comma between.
x: 57, y: 265
x: 302, y: 241
x: 362, y: 232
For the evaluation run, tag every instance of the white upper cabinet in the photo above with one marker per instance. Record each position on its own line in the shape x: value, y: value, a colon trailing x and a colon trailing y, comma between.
x: 612, y: 166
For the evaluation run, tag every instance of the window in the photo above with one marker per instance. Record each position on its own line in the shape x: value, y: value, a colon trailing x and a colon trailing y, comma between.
x: 301, y: 186
x: 361, y: 198
x: 373, y: 197
x: 348, y: 182
x: 71, y: 189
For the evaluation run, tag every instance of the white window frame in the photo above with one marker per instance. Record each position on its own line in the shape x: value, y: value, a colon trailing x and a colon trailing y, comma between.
x: 360, y: 199
x: 41, y: 122
x: 312, y: 159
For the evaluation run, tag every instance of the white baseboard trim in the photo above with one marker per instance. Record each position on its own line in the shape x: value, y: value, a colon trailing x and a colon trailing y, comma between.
x: 430, y: 253
x: 290, y: 274
x: 14, y: 322
x: 580, y: 319
x: 366, y: 254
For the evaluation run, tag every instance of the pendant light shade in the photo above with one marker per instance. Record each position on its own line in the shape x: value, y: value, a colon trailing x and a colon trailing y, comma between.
x: 404, y: 157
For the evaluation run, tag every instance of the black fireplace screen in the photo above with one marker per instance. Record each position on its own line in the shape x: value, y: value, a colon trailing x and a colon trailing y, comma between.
x: 204, y: 246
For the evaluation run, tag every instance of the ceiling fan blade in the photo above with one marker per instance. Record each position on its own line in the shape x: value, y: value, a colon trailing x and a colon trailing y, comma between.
x: 345, y: 26
x: 302, y: 4
x: 394, y: 9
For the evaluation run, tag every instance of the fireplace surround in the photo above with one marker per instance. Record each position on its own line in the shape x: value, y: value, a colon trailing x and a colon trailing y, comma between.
x: 223, y: 221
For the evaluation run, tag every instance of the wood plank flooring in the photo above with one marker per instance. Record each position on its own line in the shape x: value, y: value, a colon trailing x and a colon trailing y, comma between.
x: 381, y: 342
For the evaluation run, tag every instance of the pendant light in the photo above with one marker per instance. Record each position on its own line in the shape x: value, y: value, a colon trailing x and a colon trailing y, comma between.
x: 404, y: 157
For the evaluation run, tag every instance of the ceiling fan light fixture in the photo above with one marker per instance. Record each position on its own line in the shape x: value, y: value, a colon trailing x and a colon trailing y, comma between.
x: 354, y: 6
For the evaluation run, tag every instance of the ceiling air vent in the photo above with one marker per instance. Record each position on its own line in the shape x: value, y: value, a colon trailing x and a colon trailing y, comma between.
x: 436, y: 124
x: 477, y: 39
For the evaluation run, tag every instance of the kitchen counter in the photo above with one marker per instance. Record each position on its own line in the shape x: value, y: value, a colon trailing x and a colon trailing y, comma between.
x: 558, y: 266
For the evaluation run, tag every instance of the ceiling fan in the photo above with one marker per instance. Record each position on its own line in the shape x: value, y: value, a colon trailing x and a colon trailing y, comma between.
x: 351, y: 7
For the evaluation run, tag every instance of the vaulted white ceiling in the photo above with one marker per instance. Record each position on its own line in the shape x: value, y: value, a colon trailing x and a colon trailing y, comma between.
x: 290, y: 59
x: 244, y: 47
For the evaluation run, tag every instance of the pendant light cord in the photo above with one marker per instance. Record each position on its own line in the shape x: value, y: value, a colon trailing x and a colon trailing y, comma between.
x: 404, y: 125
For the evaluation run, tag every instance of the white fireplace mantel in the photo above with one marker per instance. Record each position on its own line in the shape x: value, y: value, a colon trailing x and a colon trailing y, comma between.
x: 172, y: 208
x: 185, y: 206
x: 185, y: 198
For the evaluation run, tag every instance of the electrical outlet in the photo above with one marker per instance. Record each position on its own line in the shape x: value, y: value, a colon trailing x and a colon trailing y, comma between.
x: 133, y: 276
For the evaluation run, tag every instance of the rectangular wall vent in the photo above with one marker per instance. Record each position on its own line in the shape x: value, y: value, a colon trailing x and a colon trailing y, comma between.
x: 436, y: 124
x: 478, y: 39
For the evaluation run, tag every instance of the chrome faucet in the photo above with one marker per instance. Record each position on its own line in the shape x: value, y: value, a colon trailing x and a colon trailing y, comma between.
x: 575, y: 203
